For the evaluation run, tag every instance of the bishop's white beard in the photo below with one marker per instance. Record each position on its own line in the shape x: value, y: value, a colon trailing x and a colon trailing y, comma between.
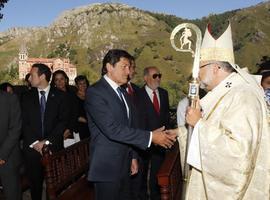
x: 204, y: 83
x: 267, y: 96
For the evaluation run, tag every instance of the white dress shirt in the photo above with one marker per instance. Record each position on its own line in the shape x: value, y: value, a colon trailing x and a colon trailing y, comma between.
x: 151, y: 95
x: 46, y: 90
x: 114, y: 86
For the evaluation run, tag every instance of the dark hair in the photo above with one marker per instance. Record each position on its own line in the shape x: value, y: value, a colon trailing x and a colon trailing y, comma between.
x: 62, y: 73
x: 264, y: 69
x: 265, y: 75
x: 5, y: 85
x: 113, y: 56
x: 26, y: 78
x: 81, y: 78
x: 43, y: 69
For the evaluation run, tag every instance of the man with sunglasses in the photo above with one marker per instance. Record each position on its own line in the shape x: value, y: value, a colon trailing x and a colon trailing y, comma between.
x: 154, y: 110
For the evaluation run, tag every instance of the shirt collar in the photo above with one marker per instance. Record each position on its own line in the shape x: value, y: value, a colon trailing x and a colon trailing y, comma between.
x: 113, y: 84
x: 149, y: 90
x: 46, y: 90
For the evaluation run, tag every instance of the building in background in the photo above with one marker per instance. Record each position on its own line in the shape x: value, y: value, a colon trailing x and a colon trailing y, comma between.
x: 25, y: 64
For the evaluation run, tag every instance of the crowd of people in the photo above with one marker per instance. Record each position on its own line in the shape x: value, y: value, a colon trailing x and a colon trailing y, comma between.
x: 49, y: 109
x: 129, y: 128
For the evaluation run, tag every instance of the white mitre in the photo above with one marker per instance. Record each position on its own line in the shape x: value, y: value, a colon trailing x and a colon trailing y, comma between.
x: 220, y: 49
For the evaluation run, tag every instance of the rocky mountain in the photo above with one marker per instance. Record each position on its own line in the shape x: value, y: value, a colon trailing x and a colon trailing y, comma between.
x: 85, y: 34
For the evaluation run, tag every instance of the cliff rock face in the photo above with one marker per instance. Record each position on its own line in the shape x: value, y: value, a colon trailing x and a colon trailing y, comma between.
x: 100, y: 22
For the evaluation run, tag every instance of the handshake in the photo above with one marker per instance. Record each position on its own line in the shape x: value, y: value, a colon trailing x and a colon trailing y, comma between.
x: 164, y: 138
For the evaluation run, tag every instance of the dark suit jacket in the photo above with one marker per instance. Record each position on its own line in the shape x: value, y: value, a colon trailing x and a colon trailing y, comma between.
x: 111, y: 135
x: 149, y: 119
x: 134, y: 97
x: 134, y: 100
x: 55, y: 118
x: 135, y: 88
x: 10, y: 128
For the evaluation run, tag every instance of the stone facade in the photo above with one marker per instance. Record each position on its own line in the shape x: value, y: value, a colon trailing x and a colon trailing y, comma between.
x: 54, y: 64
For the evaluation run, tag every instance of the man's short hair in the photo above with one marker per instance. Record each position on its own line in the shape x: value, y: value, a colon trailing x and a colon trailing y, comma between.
x: 26, y: 78
x: 113, y: 56
x: 43, y: 69
x: 147, y: 69
x: 264, y: 69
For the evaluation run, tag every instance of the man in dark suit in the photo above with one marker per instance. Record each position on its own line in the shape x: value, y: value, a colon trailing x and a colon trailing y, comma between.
x: 10, y: 158
x: 110, y: 115
x: 131, y: 88
x: 45, y: 114
x: 136, y: 162
x: 154, y: 110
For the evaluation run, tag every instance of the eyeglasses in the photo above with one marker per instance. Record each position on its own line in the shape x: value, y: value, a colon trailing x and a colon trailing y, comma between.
x: 156, y: 75
x: 206, y: 65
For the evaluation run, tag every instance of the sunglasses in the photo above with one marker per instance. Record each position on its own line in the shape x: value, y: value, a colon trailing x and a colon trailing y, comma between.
x: 156, y: 75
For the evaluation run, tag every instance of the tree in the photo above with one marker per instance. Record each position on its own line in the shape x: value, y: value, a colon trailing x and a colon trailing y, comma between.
x: 2, y: 4
x: 63, y: 50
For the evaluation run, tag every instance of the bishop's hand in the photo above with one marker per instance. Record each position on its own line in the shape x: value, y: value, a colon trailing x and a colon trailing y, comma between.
x: 193, y: 115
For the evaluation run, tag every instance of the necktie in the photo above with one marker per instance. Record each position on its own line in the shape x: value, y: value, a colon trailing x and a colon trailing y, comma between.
x: 120, y: 94
x: 155, y: 102
x: 119, y: 91
x: 42, y: 109
x: 130, y: 89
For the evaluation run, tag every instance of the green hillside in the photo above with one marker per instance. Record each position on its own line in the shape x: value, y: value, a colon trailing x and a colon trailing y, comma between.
x: 85, y: 34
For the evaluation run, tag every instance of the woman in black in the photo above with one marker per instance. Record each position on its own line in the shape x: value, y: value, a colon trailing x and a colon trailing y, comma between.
x: 82, y: 84
x: 60, y: 80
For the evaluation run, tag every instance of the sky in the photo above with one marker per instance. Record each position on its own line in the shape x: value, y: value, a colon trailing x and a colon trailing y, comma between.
x: 29, y: 13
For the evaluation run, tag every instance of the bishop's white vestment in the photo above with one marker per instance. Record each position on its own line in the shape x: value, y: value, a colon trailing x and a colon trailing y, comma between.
x: 233, y: 144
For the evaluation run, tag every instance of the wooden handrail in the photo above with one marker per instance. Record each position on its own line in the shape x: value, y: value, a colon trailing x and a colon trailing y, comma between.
x: 65, y: 167
x: 170, y: 176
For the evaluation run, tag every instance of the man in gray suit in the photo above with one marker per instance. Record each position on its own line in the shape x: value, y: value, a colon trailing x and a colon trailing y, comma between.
x: 10, y: 129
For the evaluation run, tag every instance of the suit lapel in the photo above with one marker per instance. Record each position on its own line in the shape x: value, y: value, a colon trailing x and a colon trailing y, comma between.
x: 113, y: 94
x: 49, y: 102
x: 110, y: 91
x: 36, y: 106
x: 148, y: 101
x: 128, y: 100
x: 161, y: 99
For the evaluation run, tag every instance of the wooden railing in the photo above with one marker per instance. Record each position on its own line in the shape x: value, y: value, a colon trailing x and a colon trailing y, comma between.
x: 170, y: 176
x: 65, y: 172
